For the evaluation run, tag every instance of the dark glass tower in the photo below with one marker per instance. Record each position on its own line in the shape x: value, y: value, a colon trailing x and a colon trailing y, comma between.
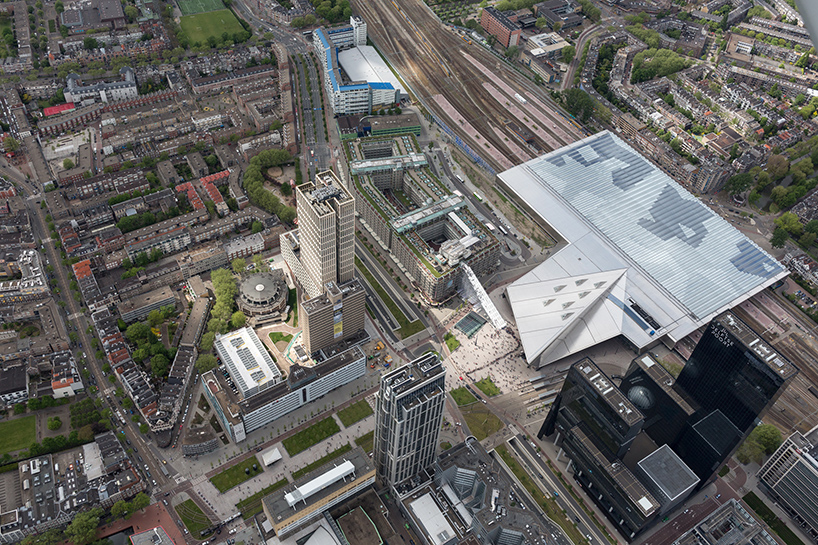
x: 732, y: 378
x: 588, y: 397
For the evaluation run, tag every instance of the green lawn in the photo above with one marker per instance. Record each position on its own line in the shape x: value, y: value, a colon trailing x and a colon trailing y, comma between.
x: 193, y: 517
x: 18, y: 434
x: 488, y: 387
x: 313, y: 435
x: 462, y: 397
x: 407, y: 328
x: 292, y: 301
x: 277, y: 336
x: 321, y: 461
x: 190, y: 7
x: 236, y: 475
x: 481, y: 421
x: 765, y: 513
x: 451, y: 341
x: 549, y: 506
x: 354, y: 413
x: 201, y: 26
x: 251, y: 506
x: 366, y: 441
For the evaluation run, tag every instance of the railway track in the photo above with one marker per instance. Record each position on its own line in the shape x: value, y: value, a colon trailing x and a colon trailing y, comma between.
x: 795, y: 408
x: 429, y: 57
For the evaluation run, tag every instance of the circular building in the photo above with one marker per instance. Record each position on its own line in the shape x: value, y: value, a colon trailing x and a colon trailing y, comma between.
x: 263, y: 293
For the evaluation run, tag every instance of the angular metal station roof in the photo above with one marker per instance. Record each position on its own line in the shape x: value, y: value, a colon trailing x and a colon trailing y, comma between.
x: 683, y: 264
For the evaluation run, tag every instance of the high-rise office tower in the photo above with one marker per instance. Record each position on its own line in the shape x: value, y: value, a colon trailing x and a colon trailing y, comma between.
x: 790, y: 476
x: 732, y: 378
x: 326, y: 232
x: 333, y: 316
x: 589, y: 398
x: 408, y: 416
x: 650, y: 387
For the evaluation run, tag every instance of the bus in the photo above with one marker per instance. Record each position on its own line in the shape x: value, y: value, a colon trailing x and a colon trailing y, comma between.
x: 477, y: 196
x: 502, y: 229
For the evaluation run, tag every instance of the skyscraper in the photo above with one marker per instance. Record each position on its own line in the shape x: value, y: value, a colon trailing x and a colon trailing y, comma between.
x: 589, y: 399
x: 732, y: 378
x: 673, y: 434
x: 326, y: 232
x: 408, y: 415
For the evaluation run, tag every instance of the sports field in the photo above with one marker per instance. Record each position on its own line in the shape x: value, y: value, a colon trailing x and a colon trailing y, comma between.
x: 18, y: 433
x: 201, y: 26
x: 192, y: 7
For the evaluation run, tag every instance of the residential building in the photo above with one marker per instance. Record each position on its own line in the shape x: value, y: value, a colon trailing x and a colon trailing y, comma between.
x: 408, y: 416
x: 115, y: 91
x: 501, y: 27
x: 140, y: 306
x: 13, y: 385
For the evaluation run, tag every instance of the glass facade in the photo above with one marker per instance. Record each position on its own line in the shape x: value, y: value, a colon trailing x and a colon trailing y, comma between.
x: 589, y: 398
x: 731, y: 378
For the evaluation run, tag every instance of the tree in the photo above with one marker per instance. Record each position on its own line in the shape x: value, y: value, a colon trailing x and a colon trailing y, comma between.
x: 579, y: 103
x: 750, y: 451
x: 83, y: 529
x: 131, y: 13
x: 54, y: 423
x: 256, y: 227
x: 542, y: 22
x: 211, y: 160
x: 155, y: 317
x: 778, y: 166
x: 511, y: 52
x: 143, y: 428
x: 67, y: 164
x: 206, y: 344
x: 90, y: 43
x: 159, y: 365
x: 11, y: 144
x: 140, y: 501
x: 238, y: 265
x: 779, y: 237
x: 137, y: 331
x: 205, y: 363
x: 127, y: 403
x: 768, y: 437
x: 739, y: 183
x: 238, y: 319
x: 19, y: 408
x: 791, y: 223
x: 568, y: 53
x: 258, y: 261
x: 120, y: 509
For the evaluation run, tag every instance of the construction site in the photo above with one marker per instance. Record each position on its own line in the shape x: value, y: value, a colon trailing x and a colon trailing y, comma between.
x: 496, y: 115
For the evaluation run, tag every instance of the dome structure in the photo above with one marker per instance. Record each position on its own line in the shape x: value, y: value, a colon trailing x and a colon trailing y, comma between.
x: 263, y: 293
x: 641, y: 397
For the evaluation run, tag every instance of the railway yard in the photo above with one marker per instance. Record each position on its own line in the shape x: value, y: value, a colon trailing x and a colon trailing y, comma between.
x: 475, y: 93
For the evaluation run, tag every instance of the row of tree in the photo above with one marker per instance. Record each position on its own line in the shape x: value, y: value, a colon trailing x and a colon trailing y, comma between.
x: 253, y: 183
x: 656, y: 63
